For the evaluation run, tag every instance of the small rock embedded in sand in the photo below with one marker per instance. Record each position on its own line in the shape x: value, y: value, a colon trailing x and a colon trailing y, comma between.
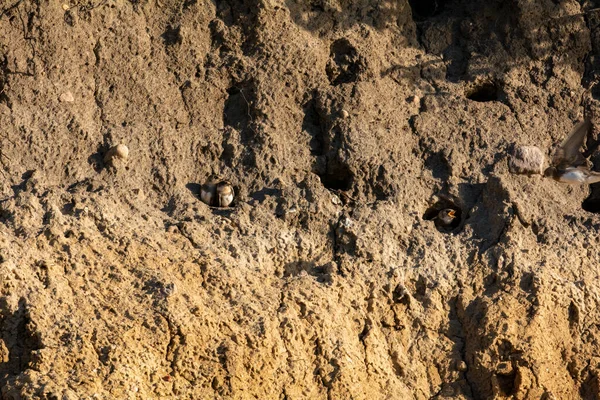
x: 527, y: 160
x: 118, y: 152
x: 345, y: 114
x: 65, y: 7
x: 67, y: 97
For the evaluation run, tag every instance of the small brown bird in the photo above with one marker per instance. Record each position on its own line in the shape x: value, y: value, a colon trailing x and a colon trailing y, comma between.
x: 446, y: 218
x: 568, y: 163
x: 208, y: 191
x: 225, y: 194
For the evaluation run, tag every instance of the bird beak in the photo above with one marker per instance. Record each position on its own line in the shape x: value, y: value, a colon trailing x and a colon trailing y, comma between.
x: 451, y: 213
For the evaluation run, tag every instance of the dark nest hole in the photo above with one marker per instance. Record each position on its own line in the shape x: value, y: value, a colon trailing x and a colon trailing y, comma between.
x: 507, y: 383
x: 483, y: 92
x: 338, y: 177
x: 591, y: 204
x: 433, y: 212
x: 596, y: 91
x: 423, y: 9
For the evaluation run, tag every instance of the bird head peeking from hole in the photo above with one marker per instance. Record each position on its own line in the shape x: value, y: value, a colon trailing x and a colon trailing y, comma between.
x: 446, y: 218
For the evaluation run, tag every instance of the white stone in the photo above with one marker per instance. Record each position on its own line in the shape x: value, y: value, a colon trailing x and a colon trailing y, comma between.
x: 119, y: 151
x: 528, y: 160
x: 67, y: 97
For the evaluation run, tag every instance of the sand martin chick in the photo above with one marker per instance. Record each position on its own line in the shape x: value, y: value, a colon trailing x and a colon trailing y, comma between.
x: 208, y: 191
x: 446, y: 218
x: 224, y: 194
x: 568, y: 163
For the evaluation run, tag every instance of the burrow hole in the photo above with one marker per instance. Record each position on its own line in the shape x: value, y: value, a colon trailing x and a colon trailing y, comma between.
x: 507, y: 383
x: 596, y: 91
x: 338, y: 176
x: 423, y: 9
x: 483, y: 92
x: 591, y: 204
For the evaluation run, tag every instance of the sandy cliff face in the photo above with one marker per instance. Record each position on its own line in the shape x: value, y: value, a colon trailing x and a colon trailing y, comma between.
x: 344, y: 126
